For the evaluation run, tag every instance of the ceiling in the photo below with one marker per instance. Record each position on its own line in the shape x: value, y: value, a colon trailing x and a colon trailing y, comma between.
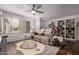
x: 50, y: 10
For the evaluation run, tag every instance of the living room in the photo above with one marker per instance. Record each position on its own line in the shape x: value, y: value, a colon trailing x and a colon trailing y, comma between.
x: 37, y: 29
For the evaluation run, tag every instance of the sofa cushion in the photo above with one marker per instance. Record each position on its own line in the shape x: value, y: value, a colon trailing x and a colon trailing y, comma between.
x: 40, y: 31
x: 59, y: 38
x: 48, y: 31
x: 37, y: 37
x: 44, y: 38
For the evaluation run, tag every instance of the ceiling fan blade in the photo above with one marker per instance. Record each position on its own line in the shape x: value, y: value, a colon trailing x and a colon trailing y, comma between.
x: 40, y: 11
x: 34, y: 6
x: 38, y: 6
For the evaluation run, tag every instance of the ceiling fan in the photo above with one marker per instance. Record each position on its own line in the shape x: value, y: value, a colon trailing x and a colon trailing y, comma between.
x: 35, y: 9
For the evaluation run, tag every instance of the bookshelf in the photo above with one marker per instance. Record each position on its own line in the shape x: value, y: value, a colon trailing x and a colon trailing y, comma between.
x: 68, y: 28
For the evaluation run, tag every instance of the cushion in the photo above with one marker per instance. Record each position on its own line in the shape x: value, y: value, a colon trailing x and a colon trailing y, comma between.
x: 40, y: 31
x: 44, y: 38
x: 36, y: 36
x: 59, y: 38
x: 48, y: 31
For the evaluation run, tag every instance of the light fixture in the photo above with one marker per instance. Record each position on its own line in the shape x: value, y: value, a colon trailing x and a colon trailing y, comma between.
x: 33, y: 12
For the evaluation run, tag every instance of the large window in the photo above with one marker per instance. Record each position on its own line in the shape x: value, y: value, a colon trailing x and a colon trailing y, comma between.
x: 11, y: 25
x: 14, y: 25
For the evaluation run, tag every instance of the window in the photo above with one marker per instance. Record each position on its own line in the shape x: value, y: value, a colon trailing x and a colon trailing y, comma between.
x: 15, y: 24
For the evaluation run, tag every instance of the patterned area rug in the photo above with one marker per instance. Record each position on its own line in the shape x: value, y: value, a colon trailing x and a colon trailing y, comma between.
x: 41, y: 49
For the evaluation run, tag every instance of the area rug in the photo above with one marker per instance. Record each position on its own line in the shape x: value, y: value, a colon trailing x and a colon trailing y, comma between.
x: 41, y: 49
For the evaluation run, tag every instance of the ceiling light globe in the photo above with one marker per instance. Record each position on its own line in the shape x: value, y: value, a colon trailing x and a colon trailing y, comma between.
x: 33, y: 12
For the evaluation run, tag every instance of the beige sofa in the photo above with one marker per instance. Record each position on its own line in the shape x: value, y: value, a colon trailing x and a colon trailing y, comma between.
x: 45, y: 37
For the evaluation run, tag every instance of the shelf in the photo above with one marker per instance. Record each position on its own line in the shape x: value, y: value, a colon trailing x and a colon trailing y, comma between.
x: 69, y: 28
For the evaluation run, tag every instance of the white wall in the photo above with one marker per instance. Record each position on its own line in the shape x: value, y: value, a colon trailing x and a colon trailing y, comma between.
x: 15, y: 37
x: 42, y: 24
x: 45, y: 23
x: 35, y: 23
x: 32, y: 24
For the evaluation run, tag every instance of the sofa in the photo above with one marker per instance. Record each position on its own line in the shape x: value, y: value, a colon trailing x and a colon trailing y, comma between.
x: 46, y: 36
x: 43, y: 35
x: 17, y: 36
